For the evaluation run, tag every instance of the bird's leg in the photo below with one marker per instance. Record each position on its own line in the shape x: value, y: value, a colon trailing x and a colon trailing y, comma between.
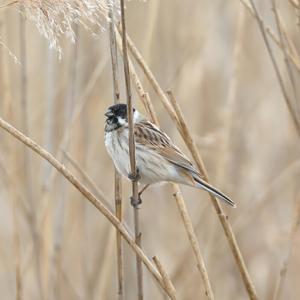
x: 143, y: 190
x: 135, y: 177
x: 136, y: 203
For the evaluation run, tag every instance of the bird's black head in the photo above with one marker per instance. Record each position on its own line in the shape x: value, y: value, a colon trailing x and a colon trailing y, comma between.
x: 116, y: 117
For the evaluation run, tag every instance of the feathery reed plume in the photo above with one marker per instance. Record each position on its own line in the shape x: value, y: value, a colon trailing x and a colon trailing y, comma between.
x: 55, y: 18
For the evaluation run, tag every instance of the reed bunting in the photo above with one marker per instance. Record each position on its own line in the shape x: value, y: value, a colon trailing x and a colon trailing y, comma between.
x: 157, y: 158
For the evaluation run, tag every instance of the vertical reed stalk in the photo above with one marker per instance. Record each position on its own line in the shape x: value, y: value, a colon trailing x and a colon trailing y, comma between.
x: 283, y: 37
x: 292, y: 55
x: 193, y: 240
x: 177, y: 117
x: 50, y: 107
x: 28, y: 186
x: 87, y: 194
x: 144, y: 97
x: 135, y: 200
x: 285, y: 94
x: 61, y: 209
x: 118, y: 182
x: 6, y: 107
x: 222, y: 217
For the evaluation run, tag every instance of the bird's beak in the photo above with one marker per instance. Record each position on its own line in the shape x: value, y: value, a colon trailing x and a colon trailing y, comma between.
x: 108, y: 114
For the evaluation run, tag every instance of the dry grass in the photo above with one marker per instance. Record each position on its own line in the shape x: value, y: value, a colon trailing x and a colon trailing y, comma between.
x: 238, y: 94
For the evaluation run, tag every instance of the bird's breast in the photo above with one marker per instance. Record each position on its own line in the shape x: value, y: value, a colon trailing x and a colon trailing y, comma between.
x: 116, y: 143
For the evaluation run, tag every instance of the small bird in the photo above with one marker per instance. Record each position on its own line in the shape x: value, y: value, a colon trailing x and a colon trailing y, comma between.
x: 157, y: 157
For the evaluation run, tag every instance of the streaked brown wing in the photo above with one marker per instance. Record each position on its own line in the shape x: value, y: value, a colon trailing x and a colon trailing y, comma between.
x: 152, y: 137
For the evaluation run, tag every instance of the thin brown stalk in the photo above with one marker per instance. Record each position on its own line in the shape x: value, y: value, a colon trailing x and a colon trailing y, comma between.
x: 86, y: 193
x: 17, y: 243
x: 6, y: 5
x: 294, y: 3
x: 262, y: 200
x: 91, y: 184
x: 149, y: 28
x: 60, y: 210
x: 228, y: 117
x: 16, y: 238
x: 193, y: 240
x: 283, y: 36
x: 182, y: 263
x: 222, y: 217
x: 294, y: 58
x: 139, y: 59
x: 276, y: 68
x: 285, y: 263
x: 88, y: 180
x: 290, y: 44
x: 165, y: 278
x: 77, y: 110
x: 144, y: 97
x: 50, y: 108
x: 231, y: 99
x: 138, y: 234
x: 118, y: 181
x: 16, y: 203
x: 182, y: 127
x: 64, y: 141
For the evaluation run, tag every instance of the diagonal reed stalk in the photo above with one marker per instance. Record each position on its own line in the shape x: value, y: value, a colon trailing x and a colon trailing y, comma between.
x: 165, y: 277
x: 222, y: 217
x: 118, y: 182
x: 64, y: 141
x: 138, y: 234
x: 88, y: 195
x: 144, y: 97
x: 92, y: 185
x: 176, y: 115
x: 293, y: 56
x: 286, y: 44
x: 276, y: 68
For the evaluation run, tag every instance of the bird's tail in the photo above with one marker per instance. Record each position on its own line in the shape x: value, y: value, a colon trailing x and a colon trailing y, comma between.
x: 205, y: 186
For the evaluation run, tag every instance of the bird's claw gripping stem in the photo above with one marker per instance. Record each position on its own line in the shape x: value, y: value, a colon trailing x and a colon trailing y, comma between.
x: 134, y: 177
x: 135, y: 202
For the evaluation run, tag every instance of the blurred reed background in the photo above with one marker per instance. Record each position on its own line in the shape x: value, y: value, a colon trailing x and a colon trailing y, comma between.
x: 55, y: 245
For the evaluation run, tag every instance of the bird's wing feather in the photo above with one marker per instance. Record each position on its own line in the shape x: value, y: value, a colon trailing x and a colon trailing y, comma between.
x: 152, y: 137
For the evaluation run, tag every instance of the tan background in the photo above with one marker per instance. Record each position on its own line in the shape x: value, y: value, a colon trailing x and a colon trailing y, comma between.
x: 212, y: 56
